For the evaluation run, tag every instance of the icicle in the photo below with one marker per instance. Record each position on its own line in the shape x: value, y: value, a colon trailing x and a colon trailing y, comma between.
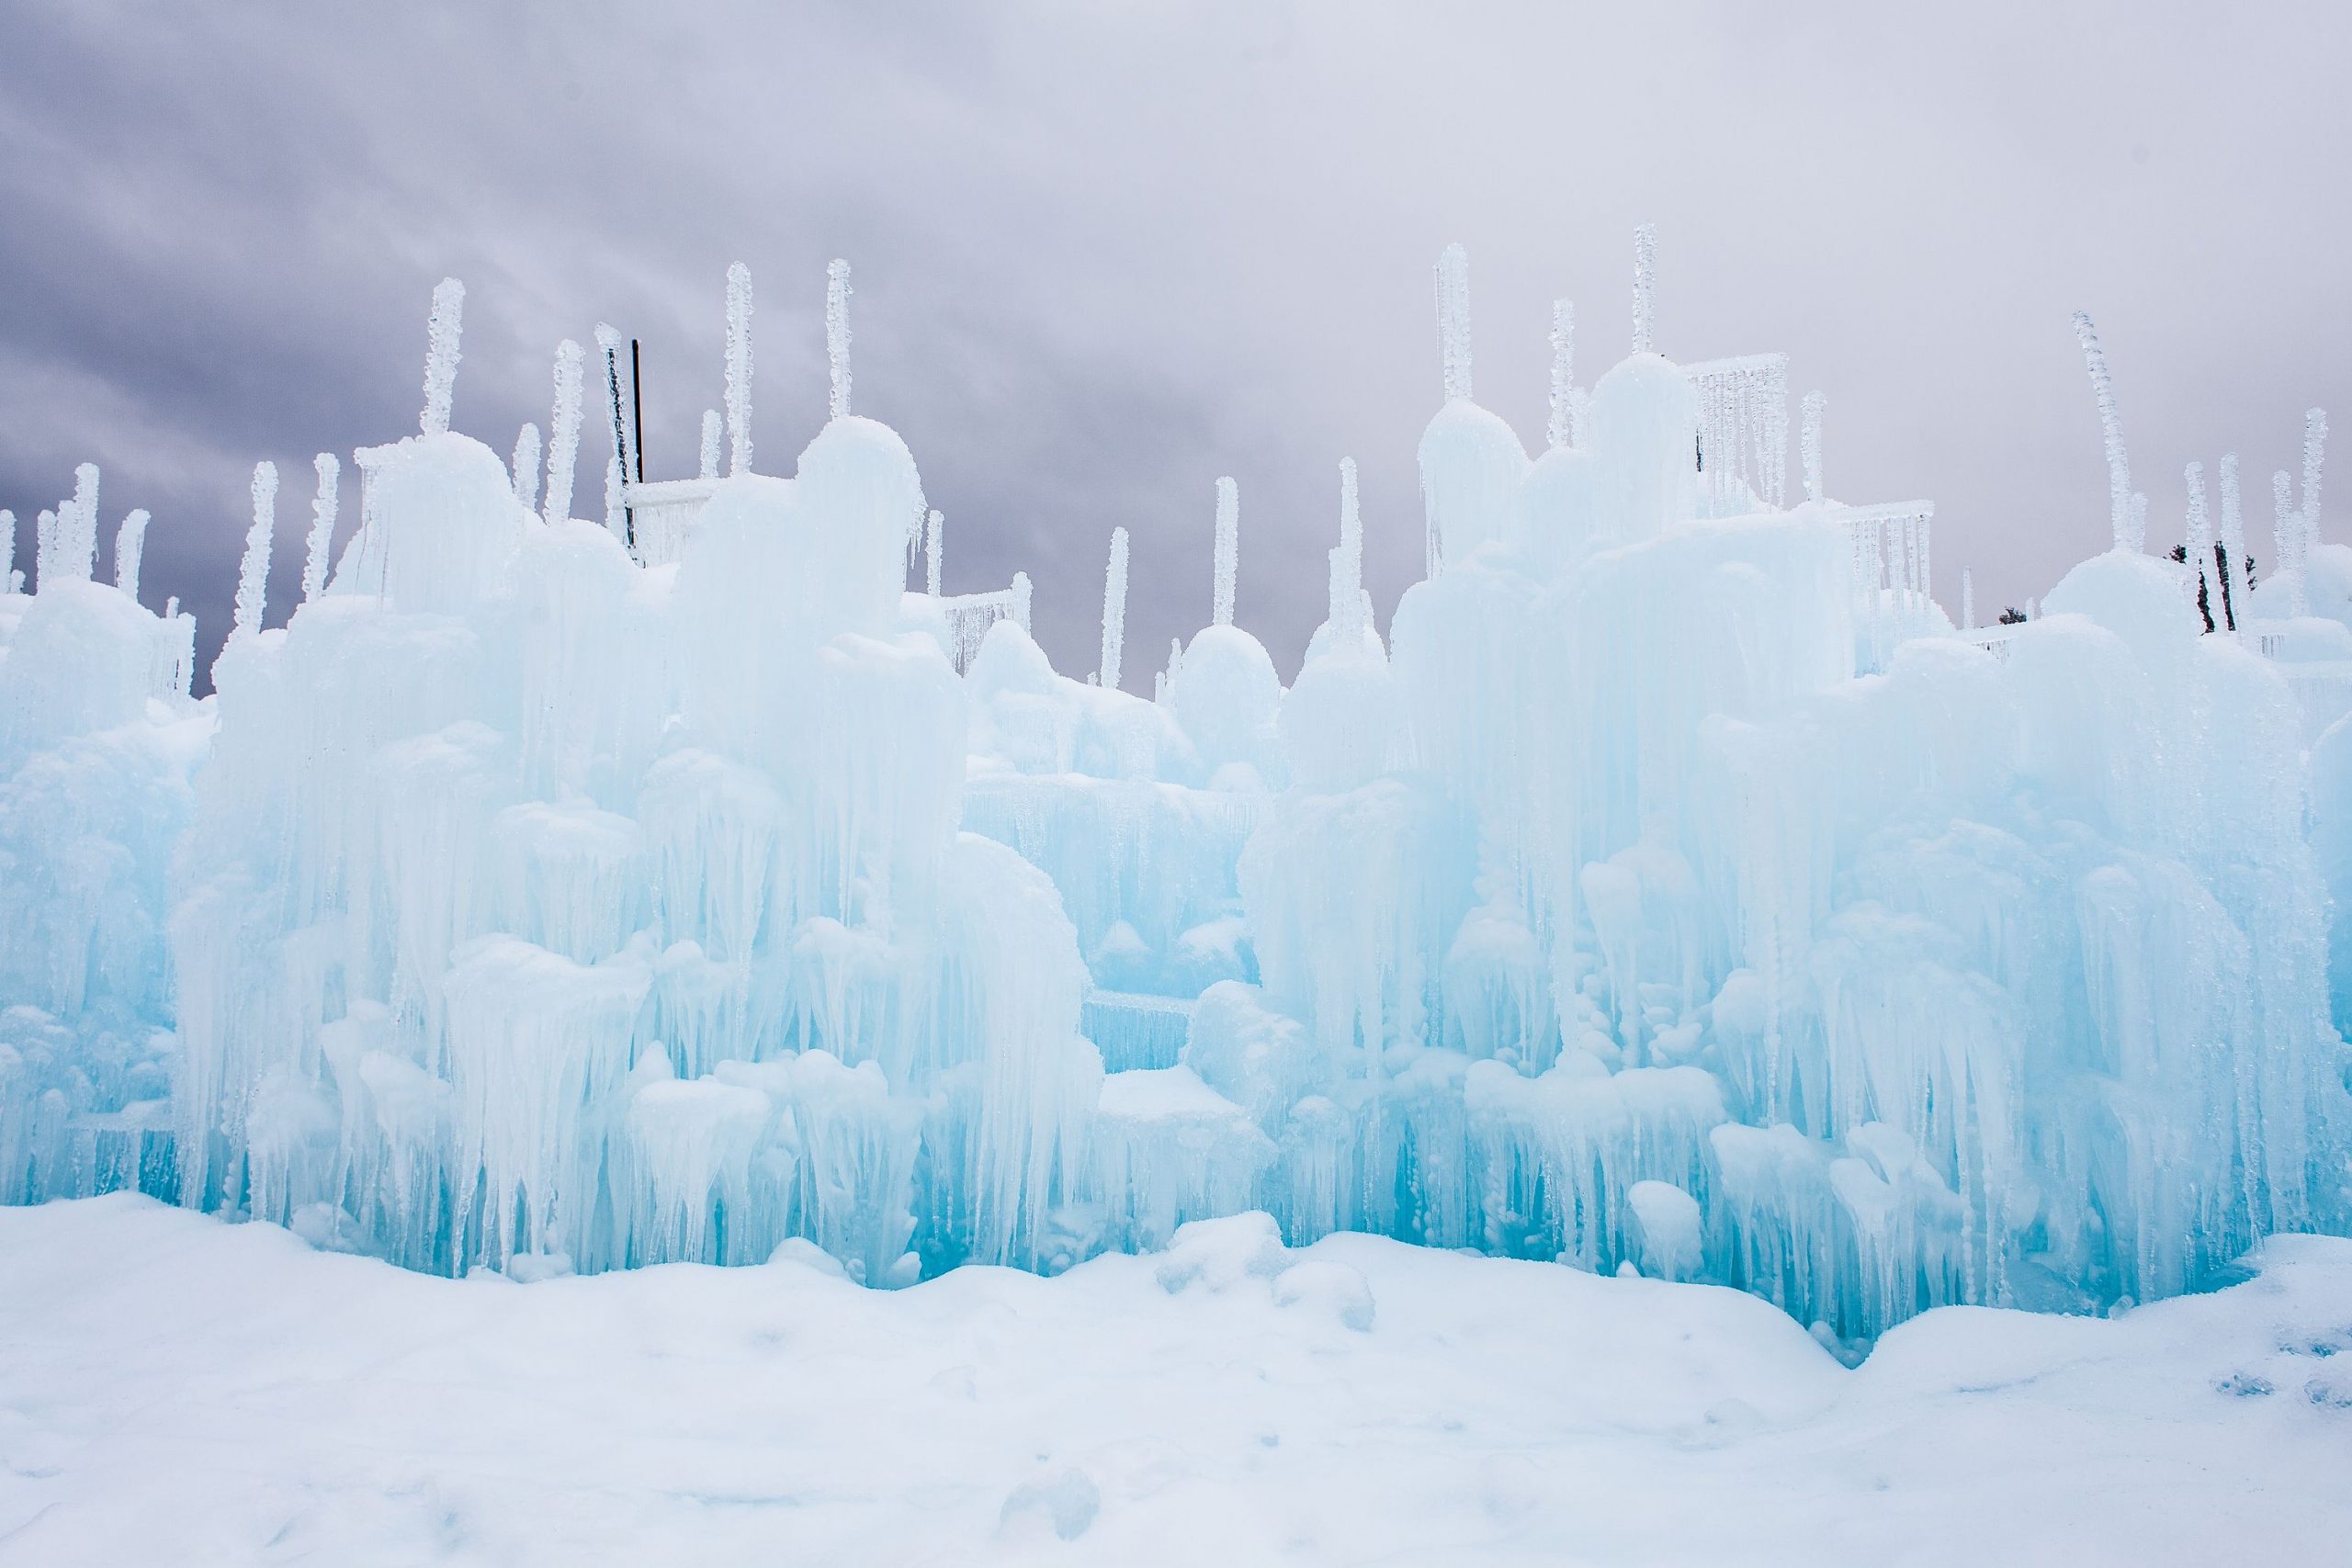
x: 1228, y: 549
x: 1175, y: 657
x: 931, y: 543
x: 253, y: 574
x: 1347, y: 560
x: 1115, y: 608
x: 7, y: 552
x: 78, y: 524
x: 526, y: 467
x: 616, y: 466
x: 318, y: 558
x: 45, y: 564
x: 2286, y: 529
x: 1644, y: 272
x: 129, y: 544
x: 2232, y: 512
x: 2200, y: 521
x: 1454, y: 319
x: 441, y: 355
x: 2314, y: 454
x: 837, y: 333
x: 2119, y: 467
x: 710, y: 432
x: 739, y: 368
x: 563, y: 430
x: 1021, y: 596
x: 1967, y: 600
x: 2139, y: 535
x: 1561, y: 430
x: 1809, y: 445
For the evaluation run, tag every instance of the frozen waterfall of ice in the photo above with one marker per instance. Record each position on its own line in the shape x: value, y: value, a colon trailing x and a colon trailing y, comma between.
x: 1672, y: 885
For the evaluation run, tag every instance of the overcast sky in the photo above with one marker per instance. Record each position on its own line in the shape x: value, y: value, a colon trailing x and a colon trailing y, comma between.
x: 1105, y: 253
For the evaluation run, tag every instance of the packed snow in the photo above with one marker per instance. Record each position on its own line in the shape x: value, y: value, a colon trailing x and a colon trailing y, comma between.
x: 1670, y: 884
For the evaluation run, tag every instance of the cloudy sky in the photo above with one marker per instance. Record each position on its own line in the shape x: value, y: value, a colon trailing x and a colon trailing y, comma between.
x: 1105, y: 253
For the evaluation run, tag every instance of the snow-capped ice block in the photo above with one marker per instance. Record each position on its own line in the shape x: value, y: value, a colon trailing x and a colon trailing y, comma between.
x: 1169, y: 1149
x: 438, y: 523
x: 1472, y: 467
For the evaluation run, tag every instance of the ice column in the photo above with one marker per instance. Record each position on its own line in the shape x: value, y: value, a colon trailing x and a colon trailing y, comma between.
x: 1228, y: 549
x: 2137, y: 537
x: 7, y: 552
x: 837, y: 333
x: 1967, y: 600
x: 563, y: 432
x: 1347, y: 562
x: 2286, y: 538
x: 932, y: 526
x: 77, y: 525
x: 1454, y: 319
x: 739, y: 368
x: 2314, y: 454
x: 315, y: 560
x: 710, y: 430
x: 441, y: 355
x: 253, y: 574
x: 1645, y: 269
x: 129, y: 544
x: 1809, y: 445
x: 2119, y: 468
x: 1561, y: 430
x: 526, y: 466
x: 616, y: 466
x: 1115, y: 608
x: 45, y: 547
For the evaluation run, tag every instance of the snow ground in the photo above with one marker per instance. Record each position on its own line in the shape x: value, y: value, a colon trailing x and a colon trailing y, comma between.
x: 175, y: 1389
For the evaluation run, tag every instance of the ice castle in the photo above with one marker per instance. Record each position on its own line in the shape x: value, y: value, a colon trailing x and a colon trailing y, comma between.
x: 1673, y: 885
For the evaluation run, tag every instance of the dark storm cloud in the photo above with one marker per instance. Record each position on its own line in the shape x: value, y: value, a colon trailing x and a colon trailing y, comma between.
x: 1105, y: 255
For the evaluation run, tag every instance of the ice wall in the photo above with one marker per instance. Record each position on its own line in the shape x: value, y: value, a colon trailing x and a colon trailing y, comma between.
x: 516, y: 904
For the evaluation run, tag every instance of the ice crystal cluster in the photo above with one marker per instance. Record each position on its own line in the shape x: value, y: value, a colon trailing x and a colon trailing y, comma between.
x: 1668, y: 885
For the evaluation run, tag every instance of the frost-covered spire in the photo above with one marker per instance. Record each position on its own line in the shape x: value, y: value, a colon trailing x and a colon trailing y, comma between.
x: 130, y: 544
x: 1346, y: 611
x: 317, y: 557
x: 1562, y: 430
x: 441, y: 332
x: 78, y: 525
x: 45, y: 548
x: 2137, y: 537
x: 1809, y: 445
x: 739, y: 368
x: 1228, y: 549
x: 2199, y: 542
x: 1114, y: 609
x: 1454, y: 319
x: 616, y: 466
x: 563, y: 430
x: 837, y: 333
x: 2315, y: 455
x: 7, y: 552
x: 2286, y: 538
x: 2119, y: 467
x: 934, y: 526
x: 2232, y: 511
x: 526, y: 466
x: 253, y: 574
x: 1644, y: 274
x: 1967, y: 598
x: 710, y: 434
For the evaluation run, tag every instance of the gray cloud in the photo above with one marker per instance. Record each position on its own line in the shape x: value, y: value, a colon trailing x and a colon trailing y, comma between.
x: 1105, y: 255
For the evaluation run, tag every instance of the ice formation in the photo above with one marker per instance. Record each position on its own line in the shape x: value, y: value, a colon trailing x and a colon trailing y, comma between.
x: 1673, y: 886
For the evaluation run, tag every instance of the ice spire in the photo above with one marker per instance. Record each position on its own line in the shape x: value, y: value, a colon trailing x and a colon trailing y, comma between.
x: 2119, y: 467
x: 253, y: 574
x: 837, y: 333
x: 1228, y: 547
x: 7, y: 552
x: 2201, y: 520
x: 1347, y: 559
x: 933, y: 527
x: 1563, y: 428
x: 2137, y: 537
x: 45, y: 547
x: 563, y: 432
x: 2286, y: 541
x: 318, y: 557
x: 526, y: 466
x: 2314, y: 454
x: 77, y: 525
x: 1809, y: 445
x: 1967, y: 598
x: 710, y: 431
x: 739, y: 368
x: 1115, y: 608
x: 1644, y: 272
x: 442, y: 332
x: 1454, y: 319
x: 616, y: 466
x: 129, y: 544
x: 2233, y: 514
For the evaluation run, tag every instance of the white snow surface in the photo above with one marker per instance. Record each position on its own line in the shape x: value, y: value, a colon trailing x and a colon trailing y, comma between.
x: 176, y: 1390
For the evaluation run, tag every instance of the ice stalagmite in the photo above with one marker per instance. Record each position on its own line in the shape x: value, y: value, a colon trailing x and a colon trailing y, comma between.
x: 1454, y: 319
x: 708, y: 463
x: 2119, y: 467
x: 837, y: 335
x: 563, y: 430
x: 253, y: 571
x: 1346, y: 611
x: 1967, y: 598
x: 442, y: 333
x: 2286, y: 540
x: 1228, y: 550
x: 7, y: 552
x: 933, y: 543
x: 1561, y: 431
x: 129, y: 544
x: 1809, y: 445
x: 46, y: 564
x: 78, y: 525
x: 2315, y: 455
x: 526, y: 466
x: 2137, y: 536
x: 1644, y: 278
x: 739, y: 368
x: 318, y: 558
x: 1115, y: 608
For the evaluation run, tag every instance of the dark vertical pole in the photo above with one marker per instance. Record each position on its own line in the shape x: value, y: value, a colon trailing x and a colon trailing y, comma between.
x: 637, y: 408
